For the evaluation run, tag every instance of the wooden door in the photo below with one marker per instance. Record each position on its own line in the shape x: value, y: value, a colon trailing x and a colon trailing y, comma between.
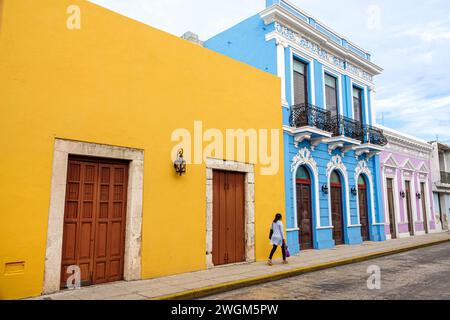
x: 424, y: 206
x: 409, y: 207
x: 363, y: 208
x: 228, y: 217
x: 94, y: 220
x: 304, y: 209
x: 336, y: 209
x: 391, y: 207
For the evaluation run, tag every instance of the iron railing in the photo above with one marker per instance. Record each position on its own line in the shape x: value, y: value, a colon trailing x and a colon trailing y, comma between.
x: 343, y: 126
x: 305, y: 114
x: 374, y: 136
x: 445, y: 177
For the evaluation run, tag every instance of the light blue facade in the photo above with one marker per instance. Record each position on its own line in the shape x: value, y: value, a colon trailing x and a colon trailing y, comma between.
x: 256, y: 41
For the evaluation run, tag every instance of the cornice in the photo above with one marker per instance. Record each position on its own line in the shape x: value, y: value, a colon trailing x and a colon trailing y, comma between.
x: 277, y: 13
x: 401, y: 141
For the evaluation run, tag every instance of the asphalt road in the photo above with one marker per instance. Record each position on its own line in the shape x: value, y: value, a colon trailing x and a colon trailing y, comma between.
x: 422, y: 274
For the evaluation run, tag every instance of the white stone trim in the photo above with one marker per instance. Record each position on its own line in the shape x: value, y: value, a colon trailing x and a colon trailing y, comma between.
x: 249, y: 170
x: 404, y: 235
x: 336, y: 163
x: 281, y: 69
x: 311, y: 74
x: 362, y: 168
x: 385, y: 175
x: 305, y: 158
x: 133, y: 233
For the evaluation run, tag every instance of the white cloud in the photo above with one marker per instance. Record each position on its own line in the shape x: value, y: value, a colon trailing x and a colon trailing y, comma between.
x: 373, y: 17
x: 430, y: 32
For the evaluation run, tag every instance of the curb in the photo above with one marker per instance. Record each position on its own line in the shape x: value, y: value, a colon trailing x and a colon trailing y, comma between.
x: 229, y: 286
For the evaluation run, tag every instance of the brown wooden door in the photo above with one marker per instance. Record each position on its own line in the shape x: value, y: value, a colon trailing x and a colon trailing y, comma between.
x: 336, y: 209
x: 94, y: 220
x: 363, y: 209
x: 409, y: 207
x: 424, y: 207
x: 228, y: 217
x: 304, y: 212
x: 391, y: 207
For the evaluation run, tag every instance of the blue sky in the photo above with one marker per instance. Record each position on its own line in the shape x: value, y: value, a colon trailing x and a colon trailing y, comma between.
x: 410, y: 39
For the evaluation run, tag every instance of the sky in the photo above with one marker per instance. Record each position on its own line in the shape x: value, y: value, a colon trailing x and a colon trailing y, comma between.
x: 410, y: 39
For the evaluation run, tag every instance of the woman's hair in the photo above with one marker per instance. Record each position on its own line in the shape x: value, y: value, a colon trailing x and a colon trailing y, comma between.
x: 278, y: 217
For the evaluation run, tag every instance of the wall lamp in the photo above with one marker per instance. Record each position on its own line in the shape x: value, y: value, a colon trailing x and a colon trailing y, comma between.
x: 354, y: 191
x: 403, y: 194
x: 180, y: 164
x: 325, y: 189
x: 418, y: 195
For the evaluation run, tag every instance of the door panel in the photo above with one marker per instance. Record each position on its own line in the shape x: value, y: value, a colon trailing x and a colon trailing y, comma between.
x: 424, y: 207
x: 304, y: 213
x: 336, y: 210
x: 363, y: 212
x: 228, y: 217
x: 94, y: 223
x: 409, y: 207
x: 391, y: 207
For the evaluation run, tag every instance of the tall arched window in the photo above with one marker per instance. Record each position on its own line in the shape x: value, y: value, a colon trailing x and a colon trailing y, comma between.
x: 304, y: 208
x: 363, y: 208
x: 337, y: 208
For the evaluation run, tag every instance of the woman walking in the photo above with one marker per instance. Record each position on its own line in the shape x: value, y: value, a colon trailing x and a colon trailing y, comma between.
x: 277, y: 238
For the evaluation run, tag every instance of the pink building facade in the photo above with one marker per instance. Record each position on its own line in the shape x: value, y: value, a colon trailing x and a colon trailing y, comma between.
x: 407, y: 186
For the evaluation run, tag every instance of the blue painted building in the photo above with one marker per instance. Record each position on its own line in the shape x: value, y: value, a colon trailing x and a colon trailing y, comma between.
x: 331, y: 150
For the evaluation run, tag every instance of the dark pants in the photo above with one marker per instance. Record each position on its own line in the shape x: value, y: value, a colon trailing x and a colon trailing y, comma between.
x: 283, y: 250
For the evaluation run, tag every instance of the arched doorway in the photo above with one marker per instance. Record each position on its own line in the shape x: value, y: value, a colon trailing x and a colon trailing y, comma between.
x: 336, y: 208
x: 363, y: 208
x: 304, y: 208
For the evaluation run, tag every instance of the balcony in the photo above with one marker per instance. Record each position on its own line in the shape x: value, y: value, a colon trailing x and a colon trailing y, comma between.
x: 315, y: 124
x: 310, y: 123
x: 445, y: 177
x: 347, y: 134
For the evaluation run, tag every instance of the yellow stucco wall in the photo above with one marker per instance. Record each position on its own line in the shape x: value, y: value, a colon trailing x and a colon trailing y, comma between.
x: 117, y: 82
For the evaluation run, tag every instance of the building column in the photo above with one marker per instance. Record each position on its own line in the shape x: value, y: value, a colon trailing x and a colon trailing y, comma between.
x: 281, y: 70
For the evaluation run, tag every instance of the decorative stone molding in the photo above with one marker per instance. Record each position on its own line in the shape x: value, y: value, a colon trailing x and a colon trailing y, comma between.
x: 249, y: 171
x: 362, y: 168
x: 55, y: 230
x: 303, y: 157
x: 336, y: 163
x: 318, y: 51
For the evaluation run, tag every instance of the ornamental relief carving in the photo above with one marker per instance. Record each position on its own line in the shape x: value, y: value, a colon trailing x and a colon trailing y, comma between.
x: 303, y: 157
x: 362, y: 167
x: 336, y: 163
x: 320, y: 52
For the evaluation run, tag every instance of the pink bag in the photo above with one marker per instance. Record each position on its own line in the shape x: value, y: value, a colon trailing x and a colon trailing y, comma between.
x: 288, y: 254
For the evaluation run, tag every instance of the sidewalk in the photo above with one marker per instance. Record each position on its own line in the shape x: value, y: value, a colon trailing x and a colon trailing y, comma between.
x: 221, y: 279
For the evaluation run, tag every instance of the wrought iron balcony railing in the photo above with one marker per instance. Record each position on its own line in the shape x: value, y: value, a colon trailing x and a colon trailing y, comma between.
x: 374, y: 136
x: 343, y: 126
x: 305, y: 114
x: 445, y: 177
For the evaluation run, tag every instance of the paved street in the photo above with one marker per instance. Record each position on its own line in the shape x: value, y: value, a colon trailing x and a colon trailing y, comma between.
x: 223, y: 276
x: 419, y: 274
